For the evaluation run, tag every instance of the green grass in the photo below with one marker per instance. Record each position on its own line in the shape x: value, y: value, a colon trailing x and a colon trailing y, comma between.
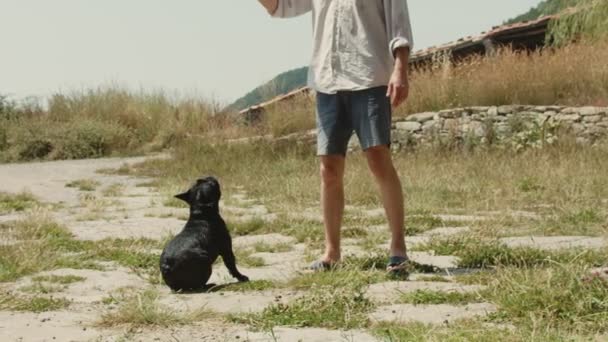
x: 250, y: 286
x: 113, y: 190
x: 42, y: 288
x: 478, y: 253
x: 16, y: 202
x: 84, y: 184
x: 320, y: 307
x: 434, y: 278
x: 462, y: 331
x: 439, y: 297
x: 46, y: 245
x: 263, y: 247
x: 12, y: 302
x: 144, y: 310
x: 561, y: 297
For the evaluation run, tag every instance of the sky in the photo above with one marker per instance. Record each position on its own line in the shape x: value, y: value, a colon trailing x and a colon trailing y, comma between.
x: 212, y: 49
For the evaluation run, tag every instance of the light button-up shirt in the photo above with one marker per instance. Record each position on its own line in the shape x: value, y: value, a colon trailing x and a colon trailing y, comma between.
x: 354, y: 41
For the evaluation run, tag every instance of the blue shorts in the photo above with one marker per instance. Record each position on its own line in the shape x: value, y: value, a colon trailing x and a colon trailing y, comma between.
x: 366, y: 112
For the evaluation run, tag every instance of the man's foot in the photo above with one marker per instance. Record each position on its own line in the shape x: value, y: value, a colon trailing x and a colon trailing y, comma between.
x: 398, y: 267
x: 320, y: 266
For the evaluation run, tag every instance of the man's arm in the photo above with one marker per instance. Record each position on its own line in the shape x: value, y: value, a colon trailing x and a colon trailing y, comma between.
x: 287, y: 8
x: 399, y: 31
x: 399, y: 86
x: 270, y: 5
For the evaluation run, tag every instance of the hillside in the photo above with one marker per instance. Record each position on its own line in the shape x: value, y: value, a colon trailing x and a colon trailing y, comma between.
x: 546, y: 7
x: 281, y: 84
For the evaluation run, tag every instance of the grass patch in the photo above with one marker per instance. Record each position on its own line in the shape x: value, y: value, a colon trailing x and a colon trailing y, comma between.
x: 439, y: 297
x: 250, y: 286
x: 324, y: 307
x: 16, y: 202
x: 113, y: 190
x: 263, y: 247
x: 468, y: 330
x: 434, y: 278
x: 83, y: 184
x: 244, y: 257
x: 422, y: 222
x: 561, y: 297
x: 475, y: 253
x: 11, y: 302
x: 42, y: 288
x: 304, y: 231
x: 44, y: 245
x: 143, y: 309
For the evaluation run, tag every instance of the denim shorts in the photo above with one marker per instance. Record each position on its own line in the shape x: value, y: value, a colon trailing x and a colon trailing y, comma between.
x: 366, y: 112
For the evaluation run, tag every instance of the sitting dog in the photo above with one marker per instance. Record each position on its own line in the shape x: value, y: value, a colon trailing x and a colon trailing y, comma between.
x: 186, y: 261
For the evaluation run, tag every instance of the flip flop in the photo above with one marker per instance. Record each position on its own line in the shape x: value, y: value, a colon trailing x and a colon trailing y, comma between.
x: 398, y: 267
x: 320, y: 265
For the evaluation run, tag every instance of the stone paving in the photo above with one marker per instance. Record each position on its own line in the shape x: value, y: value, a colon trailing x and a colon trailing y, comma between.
x: 138, y: 211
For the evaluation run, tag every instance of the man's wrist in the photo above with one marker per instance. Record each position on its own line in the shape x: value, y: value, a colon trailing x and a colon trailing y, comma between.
x: 402, y: 57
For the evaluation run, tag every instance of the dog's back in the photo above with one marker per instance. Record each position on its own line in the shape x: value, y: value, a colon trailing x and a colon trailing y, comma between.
x: 185, y: 263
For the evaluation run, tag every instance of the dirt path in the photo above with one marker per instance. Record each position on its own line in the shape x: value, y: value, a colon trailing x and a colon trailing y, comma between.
x: 134, y: 210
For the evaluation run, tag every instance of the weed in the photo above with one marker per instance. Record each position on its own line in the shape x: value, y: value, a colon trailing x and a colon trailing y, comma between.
x: 16, y: 202
x: 438, y: 297
x: 9, y: 301
x: 262, y: 247
x: 83, y: 184
x: 143, y: 309
x: 322, y: 307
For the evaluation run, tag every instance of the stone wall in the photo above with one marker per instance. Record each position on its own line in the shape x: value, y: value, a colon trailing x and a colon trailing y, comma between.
x: 516, y: 125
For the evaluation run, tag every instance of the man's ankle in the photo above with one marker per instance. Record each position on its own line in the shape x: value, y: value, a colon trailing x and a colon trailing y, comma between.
x: 331, y: 256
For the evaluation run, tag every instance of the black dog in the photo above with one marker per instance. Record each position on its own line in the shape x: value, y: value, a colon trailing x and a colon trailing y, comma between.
x: 185, y: 263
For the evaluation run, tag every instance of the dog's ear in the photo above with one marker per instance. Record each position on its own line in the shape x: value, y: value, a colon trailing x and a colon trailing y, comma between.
x: 184, y: 196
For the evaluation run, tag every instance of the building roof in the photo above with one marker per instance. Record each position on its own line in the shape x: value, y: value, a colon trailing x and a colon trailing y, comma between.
x: 525, y: 34
x: 505, y: 34
x: 283, y: 97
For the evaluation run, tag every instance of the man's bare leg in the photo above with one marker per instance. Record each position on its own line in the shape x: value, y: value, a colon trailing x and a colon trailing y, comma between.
x: 332, y: 203
x: 380, y: 163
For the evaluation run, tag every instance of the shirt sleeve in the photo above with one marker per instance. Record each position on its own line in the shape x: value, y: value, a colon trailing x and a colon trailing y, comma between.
x: 292, y: 8
x: 398, y: 25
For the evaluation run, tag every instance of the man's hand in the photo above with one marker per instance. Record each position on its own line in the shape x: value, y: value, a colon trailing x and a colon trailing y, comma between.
x: 270, y: 5
x: 399, y: 86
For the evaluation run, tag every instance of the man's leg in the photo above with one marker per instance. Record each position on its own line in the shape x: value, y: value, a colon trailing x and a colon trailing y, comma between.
x: 332, y: 202
x: 381, y: 165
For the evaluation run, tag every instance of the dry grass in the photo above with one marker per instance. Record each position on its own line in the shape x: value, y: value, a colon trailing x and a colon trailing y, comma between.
x: 143, y: 309
x: 574, y: 75
x: 111, y: 120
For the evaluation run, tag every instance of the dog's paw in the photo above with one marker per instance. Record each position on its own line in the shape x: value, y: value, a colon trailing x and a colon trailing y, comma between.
x: 243, y: 279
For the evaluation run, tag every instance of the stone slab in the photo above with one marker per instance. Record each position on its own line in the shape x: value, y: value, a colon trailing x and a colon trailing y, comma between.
x: 391, y: 291
x: 430, y: 314
x: 555, y: 242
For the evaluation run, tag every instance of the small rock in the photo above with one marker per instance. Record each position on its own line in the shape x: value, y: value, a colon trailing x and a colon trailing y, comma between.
x: 568, y: 117
x: 409, y: 126
x: 586, y: 111
x: 422, y: 117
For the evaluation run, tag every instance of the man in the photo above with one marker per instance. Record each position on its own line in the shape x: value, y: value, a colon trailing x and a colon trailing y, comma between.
x: 359, y: 69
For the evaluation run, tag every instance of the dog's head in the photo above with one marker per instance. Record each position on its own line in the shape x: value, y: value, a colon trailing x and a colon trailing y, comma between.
x: 204, y: 193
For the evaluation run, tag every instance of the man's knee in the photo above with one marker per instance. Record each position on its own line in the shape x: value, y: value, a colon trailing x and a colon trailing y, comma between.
x: 379, y: 160
x: 332, y: 171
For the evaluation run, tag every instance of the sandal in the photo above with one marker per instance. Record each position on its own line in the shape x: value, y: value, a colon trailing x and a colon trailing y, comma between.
x: 320, y: 265
x: 398, y: 267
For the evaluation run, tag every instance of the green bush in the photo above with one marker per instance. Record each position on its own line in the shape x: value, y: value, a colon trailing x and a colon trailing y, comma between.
x: 3, y: 138
x: 90, y: 139
x: 35, y: 149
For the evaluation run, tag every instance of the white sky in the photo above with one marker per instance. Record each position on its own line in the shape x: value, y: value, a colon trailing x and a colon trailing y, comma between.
x: 220, y: 49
